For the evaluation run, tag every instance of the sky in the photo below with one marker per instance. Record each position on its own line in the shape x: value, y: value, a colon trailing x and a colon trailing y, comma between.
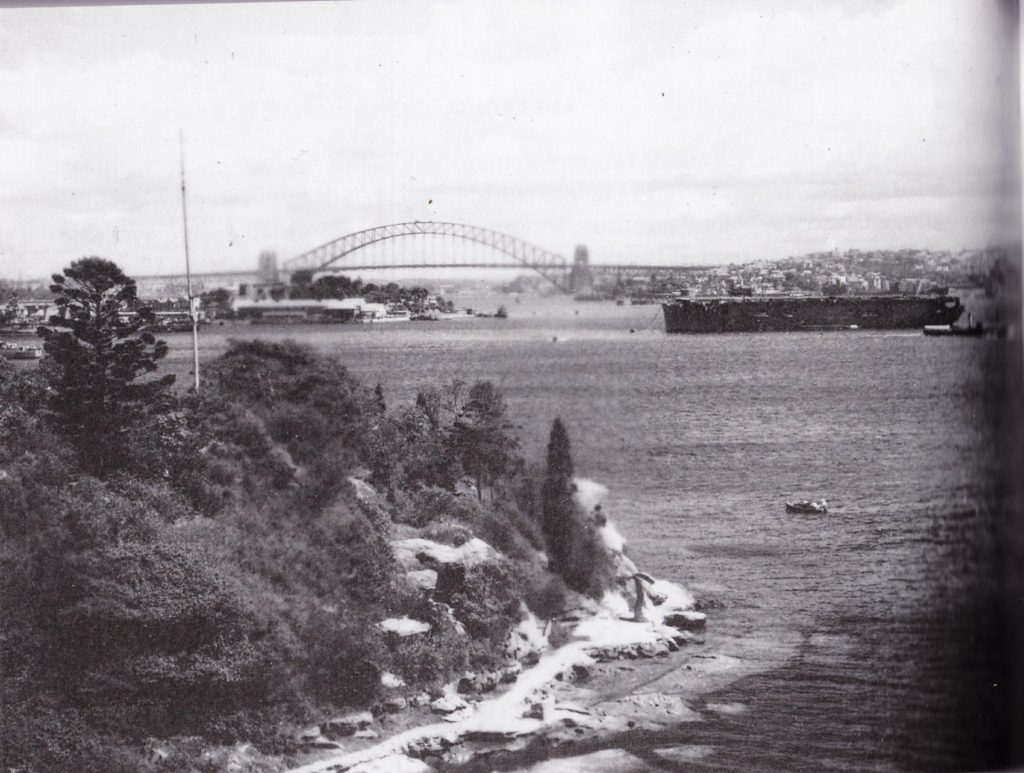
x: 688, y: 132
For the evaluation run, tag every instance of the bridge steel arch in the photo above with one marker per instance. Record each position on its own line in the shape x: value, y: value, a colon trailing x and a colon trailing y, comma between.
x: 550, y: 265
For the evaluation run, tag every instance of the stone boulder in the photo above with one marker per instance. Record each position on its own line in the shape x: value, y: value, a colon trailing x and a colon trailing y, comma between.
x: 477, y: 683
x: 686, y: 620
x: 424, y: 579
x: 403, y: 626
x: 347, y: 724
x: 364, y: 492
x: 308, y: 734
x: 448, y: 705
x: 428, y: 746
x: 393, y: 763
x: 416, y: 553
x: 510, y: 673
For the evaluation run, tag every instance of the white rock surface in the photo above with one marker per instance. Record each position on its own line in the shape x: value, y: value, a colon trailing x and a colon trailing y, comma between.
x: 528, y: 636
x: 589, y: 493
x: 394, y: 763
x: 449, y: 704
x: 416, y: 552
x: 403, y: 626
x: 424, y: 579
x: 364, y: 491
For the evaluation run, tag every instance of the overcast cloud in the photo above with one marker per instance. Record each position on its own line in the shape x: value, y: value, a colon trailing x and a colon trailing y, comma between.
x: 675, y: 132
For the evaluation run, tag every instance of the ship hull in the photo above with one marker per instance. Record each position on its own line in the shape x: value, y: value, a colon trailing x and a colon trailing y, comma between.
x: 756, y: 315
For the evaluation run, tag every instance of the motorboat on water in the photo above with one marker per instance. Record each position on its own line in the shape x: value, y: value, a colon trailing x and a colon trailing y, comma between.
x: 818, y: 506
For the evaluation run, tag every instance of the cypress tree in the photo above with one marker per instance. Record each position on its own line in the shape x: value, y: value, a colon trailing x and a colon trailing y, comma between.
x: 558, y: 522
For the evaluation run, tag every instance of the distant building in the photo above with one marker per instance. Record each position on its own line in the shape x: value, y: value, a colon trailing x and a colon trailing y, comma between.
x: 267, y: 267
x: 307, y: 310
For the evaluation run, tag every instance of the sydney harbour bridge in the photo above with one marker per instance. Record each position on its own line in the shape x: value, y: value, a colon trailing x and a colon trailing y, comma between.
x: 352, y: 252
x: 423, y: 244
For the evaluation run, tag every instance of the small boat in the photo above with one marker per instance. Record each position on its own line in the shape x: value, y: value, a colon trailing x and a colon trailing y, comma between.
x: 972, y: 328
x: 818, y: 506
x: 953, y: 330
x: 11, y: 351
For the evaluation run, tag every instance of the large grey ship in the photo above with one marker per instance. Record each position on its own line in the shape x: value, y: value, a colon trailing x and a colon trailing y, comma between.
x: 795, y: 313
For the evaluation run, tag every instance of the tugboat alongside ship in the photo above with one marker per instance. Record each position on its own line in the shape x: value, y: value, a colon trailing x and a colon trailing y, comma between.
x: 808, y: 313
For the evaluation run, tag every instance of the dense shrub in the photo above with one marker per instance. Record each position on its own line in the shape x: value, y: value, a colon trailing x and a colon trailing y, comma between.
x: 411, y: 449
x: 306, y: 400
x: 431, y: 659
x: 230, y: 574
x: 430, y: 504
x: 488, y: 602
x: 342, y: 655
x: 448, y: 533
x: 546, y: 595
x: 159, y: 621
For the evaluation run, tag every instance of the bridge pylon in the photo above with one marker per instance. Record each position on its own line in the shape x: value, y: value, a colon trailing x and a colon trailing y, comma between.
x: 581, y: 278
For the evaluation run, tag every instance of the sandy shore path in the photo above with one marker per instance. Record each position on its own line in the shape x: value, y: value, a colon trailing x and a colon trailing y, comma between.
x: 614, y: 679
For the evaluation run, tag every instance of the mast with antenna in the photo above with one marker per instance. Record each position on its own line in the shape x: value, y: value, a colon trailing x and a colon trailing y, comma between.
x: 193, y: 306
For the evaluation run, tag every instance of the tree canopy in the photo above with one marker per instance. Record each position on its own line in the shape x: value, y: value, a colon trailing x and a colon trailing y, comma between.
x: 99, y: 348
x: 482, y: 435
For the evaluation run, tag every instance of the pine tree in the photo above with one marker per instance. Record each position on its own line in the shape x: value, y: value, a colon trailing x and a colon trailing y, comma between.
x: 482, y: 435
x: 98, y: 349
x: 558, y: 508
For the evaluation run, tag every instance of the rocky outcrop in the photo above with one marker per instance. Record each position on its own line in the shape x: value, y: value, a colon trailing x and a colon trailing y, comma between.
x: 393, y: 763
x: 416, y: 553
x: 424, y: 579
x: 640, y: 619
x: 488, y: 681
x: 438, y: 569
x: 452, y: 708
x: 346, y: 724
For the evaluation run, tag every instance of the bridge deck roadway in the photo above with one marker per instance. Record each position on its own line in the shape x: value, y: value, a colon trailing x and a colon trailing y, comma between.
x: 592, y: 266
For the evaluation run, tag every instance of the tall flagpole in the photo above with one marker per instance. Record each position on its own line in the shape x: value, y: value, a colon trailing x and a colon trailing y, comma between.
x: 193, y: 311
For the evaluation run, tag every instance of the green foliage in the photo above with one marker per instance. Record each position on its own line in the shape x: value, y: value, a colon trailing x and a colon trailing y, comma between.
x: 412, y: 447
x: 310, y: 404
x: 557, y: 504
x: 160, y: 620
x: 225, y: 574
x: 342, y: 656
x: 482, y: 435
x: 100, y: 349
x: 432, y: 504
x: 448, y: 533
x: 488, y: 602
x: 574, y: 547
x: 444, y: 436
x: 546, y: 595
x: 431, y: 659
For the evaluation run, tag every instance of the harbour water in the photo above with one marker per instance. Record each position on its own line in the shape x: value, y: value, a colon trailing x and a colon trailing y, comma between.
x: 870, y: 636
